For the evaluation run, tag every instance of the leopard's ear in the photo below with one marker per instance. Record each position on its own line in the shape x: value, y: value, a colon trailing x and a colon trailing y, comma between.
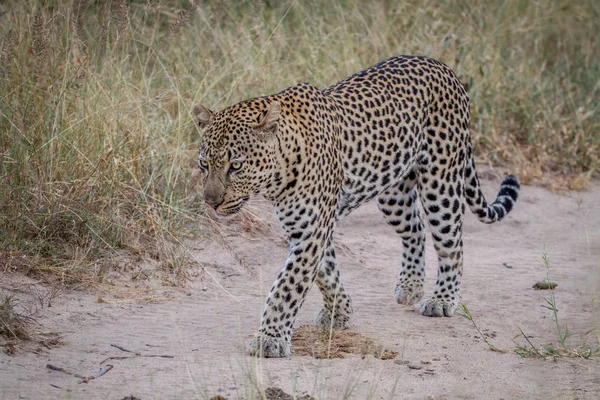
x: 203, y: 115
x: 268, y: 124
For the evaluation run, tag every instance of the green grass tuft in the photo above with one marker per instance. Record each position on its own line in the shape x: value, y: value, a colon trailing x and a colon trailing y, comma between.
x: 562, y: 348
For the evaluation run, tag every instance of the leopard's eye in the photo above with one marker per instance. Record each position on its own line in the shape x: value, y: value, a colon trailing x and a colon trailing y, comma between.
x: 203, y: 165
x: 236, y: 165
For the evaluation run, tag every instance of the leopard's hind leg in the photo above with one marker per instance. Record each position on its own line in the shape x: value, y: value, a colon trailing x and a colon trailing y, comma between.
x: 400, y: 209
x: 442, y: 196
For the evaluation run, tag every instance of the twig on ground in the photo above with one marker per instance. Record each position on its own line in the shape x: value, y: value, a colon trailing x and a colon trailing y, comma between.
x: 125, y: 350
x: 136, y: 354
x: 116, y: 358
x: 98, y: 374
x: 84, y: 379
x: 159, y: 355
x: 59, y: 369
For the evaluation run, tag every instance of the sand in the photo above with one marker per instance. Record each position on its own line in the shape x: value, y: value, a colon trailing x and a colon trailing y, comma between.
x: 204, y: 328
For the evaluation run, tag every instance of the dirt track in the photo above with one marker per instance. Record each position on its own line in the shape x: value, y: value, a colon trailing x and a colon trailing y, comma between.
x: 206, y: 329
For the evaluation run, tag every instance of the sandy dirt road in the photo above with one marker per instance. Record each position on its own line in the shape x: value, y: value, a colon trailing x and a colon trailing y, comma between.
x: 207, y: 325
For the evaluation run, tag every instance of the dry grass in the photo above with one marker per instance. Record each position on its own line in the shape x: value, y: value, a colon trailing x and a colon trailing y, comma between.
x: 97, y: 152
x: 13, y: 325
x: 19, y: 331
x: 91, y: 162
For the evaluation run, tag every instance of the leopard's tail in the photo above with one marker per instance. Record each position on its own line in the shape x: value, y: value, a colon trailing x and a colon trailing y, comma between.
x: 505, y: 200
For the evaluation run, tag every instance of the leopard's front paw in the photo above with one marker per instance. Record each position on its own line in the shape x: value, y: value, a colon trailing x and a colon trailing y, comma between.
x: 269, y: 347
x: 408, y: 293
x: 438, y: 308
x: 323, y: 320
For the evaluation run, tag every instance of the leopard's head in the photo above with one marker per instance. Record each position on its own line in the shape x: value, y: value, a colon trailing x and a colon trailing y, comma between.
x: 237, y: 152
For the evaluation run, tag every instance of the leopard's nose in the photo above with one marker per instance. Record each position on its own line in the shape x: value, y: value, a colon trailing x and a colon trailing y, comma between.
x: 213, y: 204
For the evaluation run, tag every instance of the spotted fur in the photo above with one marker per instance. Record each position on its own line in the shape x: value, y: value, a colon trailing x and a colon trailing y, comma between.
x: 398, y: 132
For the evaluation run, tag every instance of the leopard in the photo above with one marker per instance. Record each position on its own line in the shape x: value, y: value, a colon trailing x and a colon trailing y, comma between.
x: 396, y: 133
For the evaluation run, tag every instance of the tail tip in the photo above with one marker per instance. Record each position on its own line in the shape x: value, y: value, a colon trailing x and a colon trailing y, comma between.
x: 510, y: 187
x: 511, y: 180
